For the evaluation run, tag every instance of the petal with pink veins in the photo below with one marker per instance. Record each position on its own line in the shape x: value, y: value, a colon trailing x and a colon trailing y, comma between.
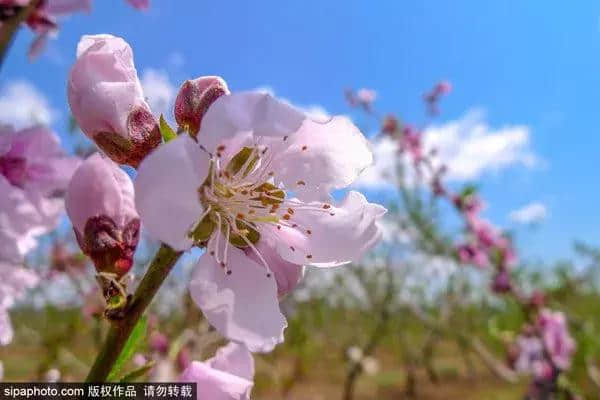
x: 166, y: 190
x: 332, y: 236
x: 287, y: 274
x: 235, y: 359
x: 264, y: 117
x: 321, y: 157
x: 243, y: 305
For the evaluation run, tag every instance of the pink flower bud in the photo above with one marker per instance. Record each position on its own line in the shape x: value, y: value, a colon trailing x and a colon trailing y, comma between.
x: 390, y: 125
x: 194, y: 98
x: 107, y: 101
x: 100, y: 203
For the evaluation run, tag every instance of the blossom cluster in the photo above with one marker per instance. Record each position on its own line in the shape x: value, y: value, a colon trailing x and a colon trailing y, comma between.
x: 245, y: 176
x: 42, y: 19
x: 545, y: 347
x: 34, y: 173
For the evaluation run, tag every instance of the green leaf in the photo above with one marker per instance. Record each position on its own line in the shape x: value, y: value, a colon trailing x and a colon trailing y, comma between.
x: 137, y: 373
x: 73, y: 125
x: 131, y: 346
x: 165, y: 130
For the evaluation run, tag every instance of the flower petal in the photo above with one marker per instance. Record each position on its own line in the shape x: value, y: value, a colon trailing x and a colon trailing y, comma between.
x: 234, y: 359
x: 243, y: 306
x: 258, y: 113
x: 167, y: 190
x: 111, y: 193
x: 338, y: 235
x: 6, y: 329
x: 214, y: 384
x: 287, y: 274
x: 321, y: 157
x: 23, y: 216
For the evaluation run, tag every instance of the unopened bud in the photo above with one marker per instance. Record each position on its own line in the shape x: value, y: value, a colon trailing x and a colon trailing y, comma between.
x: 100, y: 204
x: 194, y: 99
x: 107, y: 100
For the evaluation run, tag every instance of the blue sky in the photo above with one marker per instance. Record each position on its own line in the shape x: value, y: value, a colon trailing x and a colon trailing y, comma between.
x: 533, y: 64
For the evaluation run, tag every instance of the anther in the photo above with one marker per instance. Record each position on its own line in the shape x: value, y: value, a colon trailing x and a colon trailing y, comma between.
x: 326, y: 206
x: 292, y: 248
x: 285, y: 138
x: 286, y: 216
x: 304, y: 148
x: 290, y: 211
x: 221, y: 147
x: 309, y: 256
x: 309, y: 231
x: 301, y: 183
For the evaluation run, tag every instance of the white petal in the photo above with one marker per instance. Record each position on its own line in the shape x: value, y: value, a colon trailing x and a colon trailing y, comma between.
x: 166, y: 190
x: 334, y: 239
x: 321, y: 157
x: 243, y: 306
x: 234, y: 359
x: 214, y: 384
x: 6, y: 329
x: 258, y: 113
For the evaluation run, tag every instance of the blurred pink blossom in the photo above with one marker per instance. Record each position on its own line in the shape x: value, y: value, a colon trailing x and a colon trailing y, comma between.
x: 556, y: 338
x: 140, y: 4
x: 34, y: 172
x: 14, y: 282
x: 433, y: 97
x: 43, y: 19
x: 471, y: 254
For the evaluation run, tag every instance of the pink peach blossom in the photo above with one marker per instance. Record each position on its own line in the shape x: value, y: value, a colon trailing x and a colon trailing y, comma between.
x: 556, y: 338
x: 194, y: 98
x: 100, y: 204
x: 14, y: 282
x: 233, y: 191
x: 34, y: 172
x: 107, y: 100
x: 227, y: 376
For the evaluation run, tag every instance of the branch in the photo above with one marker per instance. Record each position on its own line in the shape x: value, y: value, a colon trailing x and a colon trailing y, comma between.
x: 491, y: 362
x: 11, y: 25
x: 120, y: 330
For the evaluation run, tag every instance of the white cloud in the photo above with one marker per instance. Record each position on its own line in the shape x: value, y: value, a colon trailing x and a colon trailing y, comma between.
x: 159, y: 91
x: 529, y: 214
x: 469, y: 147
x: 22, y: 105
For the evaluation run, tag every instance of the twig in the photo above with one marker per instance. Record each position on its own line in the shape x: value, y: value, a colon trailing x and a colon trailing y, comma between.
x: 121, y: 329
x: 11, y: 25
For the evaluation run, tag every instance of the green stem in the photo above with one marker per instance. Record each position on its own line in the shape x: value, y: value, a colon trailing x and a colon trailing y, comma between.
x: 121, y: 329
x: 10, y: 26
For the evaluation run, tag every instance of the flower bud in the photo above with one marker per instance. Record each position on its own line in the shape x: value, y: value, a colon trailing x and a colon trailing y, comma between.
x: 100, y: 204
x: 194, y: 98
x: 107, y: 100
